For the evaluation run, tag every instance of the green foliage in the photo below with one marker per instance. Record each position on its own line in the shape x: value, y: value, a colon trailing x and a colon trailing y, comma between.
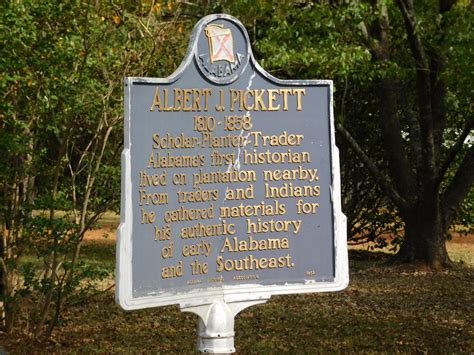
x: 62, y: 68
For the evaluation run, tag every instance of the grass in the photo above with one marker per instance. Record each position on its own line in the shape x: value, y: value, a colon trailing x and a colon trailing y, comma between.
x: 384, y: 309
x: 460, y: 248
x: 99, y: 253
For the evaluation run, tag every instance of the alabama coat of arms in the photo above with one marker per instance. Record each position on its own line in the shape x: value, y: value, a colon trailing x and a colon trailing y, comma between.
x: 221, y: 45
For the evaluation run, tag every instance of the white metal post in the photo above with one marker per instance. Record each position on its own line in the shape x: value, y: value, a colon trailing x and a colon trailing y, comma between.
x: 216, y: 324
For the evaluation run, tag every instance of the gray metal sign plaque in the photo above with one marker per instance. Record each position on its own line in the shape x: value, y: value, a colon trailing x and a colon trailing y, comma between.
x: 230, y: 181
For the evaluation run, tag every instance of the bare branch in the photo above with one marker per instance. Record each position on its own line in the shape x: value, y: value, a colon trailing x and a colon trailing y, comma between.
x: 378, y: 176
x: 408, y: 13
x: 365, y: 33
x: 446, y: 5
x: 438, y: 107
x: 456, y: 148
x: 459, y: 187
x: 400, y: 169
x: 414, y: 130
x: 429, y: 169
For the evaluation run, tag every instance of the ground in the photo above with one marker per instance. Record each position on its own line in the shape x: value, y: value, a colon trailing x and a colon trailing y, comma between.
x: 460, y: 247
x: 384, y: 309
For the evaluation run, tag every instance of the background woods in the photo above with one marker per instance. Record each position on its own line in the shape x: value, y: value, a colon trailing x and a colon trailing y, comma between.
x: 403, y: 79
x: 63, y: 68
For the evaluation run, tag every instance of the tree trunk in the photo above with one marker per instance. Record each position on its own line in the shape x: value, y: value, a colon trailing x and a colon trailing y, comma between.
x: 9, y: 281
x: 425, y: 237
x: 9, y: 305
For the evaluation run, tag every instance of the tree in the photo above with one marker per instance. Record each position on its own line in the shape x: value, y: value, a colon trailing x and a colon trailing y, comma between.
x: 418, y: 165
x: 54, y: 131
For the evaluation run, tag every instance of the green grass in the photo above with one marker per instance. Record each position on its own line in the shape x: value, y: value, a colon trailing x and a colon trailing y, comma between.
x: 107, y: 219
x: 462, y: 255
x: 95, y: 253
x: 99, y: 253
x: 384, y: 309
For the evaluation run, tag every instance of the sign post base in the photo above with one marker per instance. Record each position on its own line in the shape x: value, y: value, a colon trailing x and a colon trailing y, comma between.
x: 216, y: 324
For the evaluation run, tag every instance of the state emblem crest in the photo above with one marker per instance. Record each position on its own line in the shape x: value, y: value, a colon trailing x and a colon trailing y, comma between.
x: 222, y: 50
x: 221, y: 45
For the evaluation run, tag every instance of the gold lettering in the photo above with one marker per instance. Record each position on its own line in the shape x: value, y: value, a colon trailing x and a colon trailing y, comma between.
x: 178, y: 99
x: 153, y: 179
x: 239, y: 193
x: 192, y: 99
x: 259, y: 100
x: 189, y: 214
x: 283, y: 139
x: 233, y: 245
x: 272, y: 226
x: 285, y: 93
x: 197, y: 100
x: 183, y: 99
x: 221, y: 105
x: 158, y: 160
x: 187, y: 99
x: 252, y: 263
x: 299, y: 93
x: 154, y: 198
x: 165, y: 97
x: 207, y: 93
x: 303, y: 207
x: 246, y: 94
x: 261, y: 209
x: 234, y: 98
x: 156, y: 100
x: 202, y: 248
x: 198, y: 195
x: 288, y: 190
x: 172, y: 271
x: 269, y: 157
x: 214, y: 177
x: 271, y: 100
x: 200, y: 230
x: 163, y: 233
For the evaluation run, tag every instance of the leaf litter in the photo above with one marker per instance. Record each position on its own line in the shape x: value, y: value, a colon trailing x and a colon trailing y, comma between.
x: 384, y: 309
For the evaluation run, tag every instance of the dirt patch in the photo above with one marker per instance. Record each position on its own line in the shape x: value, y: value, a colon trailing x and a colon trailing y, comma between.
x: 461, y: 238
x: 106, y: 234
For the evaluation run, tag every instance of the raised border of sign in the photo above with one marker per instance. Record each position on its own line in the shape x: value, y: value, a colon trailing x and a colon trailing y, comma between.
x: 226, y: 293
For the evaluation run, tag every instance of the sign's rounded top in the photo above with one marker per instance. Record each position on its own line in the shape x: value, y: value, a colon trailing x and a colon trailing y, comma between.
x: 221, y: 48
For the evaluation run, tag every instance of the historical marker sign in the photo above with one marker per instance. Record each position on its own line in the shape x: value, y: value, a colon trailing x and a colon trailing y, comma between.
x: 230, y: 181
